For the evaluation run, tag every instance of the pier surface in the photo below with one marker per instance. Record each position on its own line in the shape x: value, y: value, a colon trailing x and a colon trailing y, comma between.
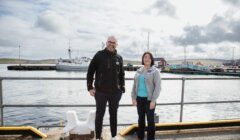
x: 218, y: 133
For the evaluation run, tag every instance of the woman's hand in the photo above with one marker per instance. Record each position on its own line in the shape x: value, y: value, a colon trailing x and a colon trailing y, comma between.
x: 134, y: 102
x: 92, y: 92
x: 152, y: 105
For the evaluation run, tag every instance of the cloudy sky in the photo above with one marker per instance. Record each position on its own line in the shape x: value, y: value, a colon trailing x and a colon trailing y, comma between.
x: 43, y: 28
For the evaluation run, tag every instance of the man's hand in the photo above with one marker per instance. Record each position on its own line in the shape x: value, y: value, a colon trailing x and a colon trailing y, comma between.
x: 134, y: 102
x: 123, y: 89
x: 92, y: 92
x: 152, y: 105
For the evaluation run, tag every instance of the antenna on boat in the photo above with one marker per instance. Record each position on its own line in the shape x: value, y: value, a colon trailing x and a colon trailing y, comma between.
x: 185, y: 55
x: 69, y: 51
x: 19, y: 54
x: 233, y: 56
x: 239, y: 57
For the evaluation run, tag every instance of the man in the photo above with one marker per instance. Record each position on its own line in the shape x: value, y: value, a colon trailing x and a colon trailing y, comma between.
x: 109, y: 84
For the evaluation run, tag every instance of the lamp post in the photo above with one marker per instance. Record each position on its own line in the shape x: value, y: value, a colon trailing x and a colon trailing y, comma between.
x: 233, y: 56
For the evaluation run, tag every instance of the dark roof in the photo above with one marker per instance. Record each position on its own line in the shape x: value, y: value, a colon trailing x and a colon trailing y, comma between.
x: 159, y: 59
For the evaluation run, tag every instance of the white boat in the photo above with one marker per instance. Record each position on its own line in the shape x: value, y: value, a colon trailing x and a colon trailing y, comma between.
x: 73, y: 64
x: 77, y: 64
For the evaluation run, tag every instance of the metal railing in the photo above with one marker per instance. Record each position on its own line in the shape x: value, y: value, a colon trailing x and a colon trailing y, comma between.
x: 181, y: 103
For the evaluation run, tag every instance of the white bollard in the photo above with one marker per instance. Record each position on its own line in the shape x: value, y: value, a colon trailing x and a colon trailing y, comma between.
x: 74, y: 126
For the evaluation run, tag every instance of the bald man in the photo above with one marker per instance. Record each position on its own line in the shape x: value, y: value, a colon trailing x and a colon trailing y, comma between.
x: 109, y: 84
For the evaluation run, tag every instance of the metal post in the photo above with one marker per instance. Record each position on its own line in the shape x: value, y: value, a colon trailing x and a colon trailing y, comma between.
x: 182, y: 99
x: 1, y: 102
x: 156, y: 118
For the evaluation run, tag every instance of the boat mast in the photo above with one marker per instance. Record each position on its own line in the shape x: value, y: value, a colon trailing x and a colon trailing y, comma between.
x: 233, y: 56
x: 19, y: 52
x: 69, y: 51
x: 239, y: 57
x: 185, y: 56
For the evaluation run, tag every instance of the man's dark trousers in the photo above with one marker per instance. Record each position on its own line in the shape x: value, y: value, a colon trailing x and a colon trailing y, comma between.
x: 101, y: 102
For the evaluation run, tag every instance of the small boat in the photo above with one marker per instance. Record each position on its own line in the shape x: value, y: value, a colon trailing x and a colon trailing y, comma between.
x: 77, y: 64
x: 188, y: 67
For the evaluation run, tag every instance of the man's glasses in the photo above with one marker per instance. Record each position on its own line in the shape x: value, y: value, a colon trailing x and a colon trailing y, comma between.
x: 112, y: 42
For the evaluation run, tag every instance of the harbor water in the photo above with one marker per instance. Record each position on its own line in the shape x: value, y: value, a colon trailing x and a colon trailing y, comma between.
x: 38, y: 92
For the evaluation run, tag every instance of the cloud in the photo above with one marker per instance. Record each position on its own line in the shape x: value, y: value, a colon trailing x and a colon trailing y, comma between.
x: 132, y: 49
x: 6, y: 53
x: 223, y: 49
x: 220, y: 29
x: 84, y: 31
x: 45, y: 31
x: 19, y: 8
x: 52, y: 21
x: 199, y: 49
x: 7, y: 42
x: 232, y: 2
x: 163, y: 7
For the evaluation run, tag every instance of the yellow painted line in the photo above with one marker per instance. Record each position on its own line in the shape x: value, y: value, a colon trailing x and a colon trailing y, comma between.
x: 128, y: 129
x: 198, y: 123
x: 134, y: 126
x: 23, y: 128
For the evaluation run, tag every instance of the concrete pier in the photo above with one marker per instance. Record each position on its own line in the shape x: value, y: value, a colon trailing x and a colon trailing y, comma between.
x: 217, y: 133
x: 52, y: 67
x: 32, y: 67
x: 203, y: 73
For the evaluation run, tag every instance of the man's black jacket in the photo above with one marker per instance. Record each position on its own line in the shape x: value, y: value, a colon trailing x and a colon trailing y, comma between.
x: 109, y: 73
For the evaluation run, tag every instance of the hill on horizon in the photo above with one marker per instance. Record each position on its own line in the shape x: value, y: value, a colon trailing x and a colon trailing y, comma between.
x: 54, y: 61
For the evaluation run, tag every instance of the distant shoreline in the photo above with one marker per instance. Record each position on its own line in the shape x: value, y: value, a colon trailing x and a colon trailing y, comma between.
x: 54, y: 61
x: 45, y: 61
x: 26, y: 61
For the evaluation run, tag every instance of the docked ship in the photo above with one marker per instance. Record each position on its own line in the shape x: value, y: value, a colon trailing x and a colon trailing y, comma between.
x: 77, y: 64
x: 187, y: 67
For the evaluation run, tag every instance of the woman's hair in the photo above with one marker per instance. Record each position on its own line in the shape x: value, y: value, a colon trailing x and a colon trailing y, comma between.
x: 151, y: 56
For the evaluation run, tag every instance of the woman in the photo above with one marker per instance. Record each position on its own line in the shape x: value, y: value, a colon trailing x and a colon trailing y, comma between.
x: 145, y: 91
